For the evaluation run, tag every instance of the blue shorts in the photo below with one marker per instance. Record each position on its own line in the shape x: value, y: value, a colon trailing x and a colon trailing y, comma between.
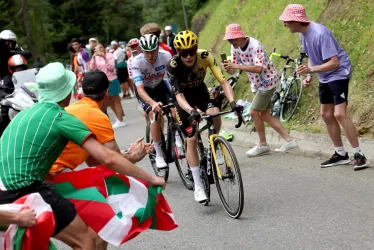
x: 114, y: 88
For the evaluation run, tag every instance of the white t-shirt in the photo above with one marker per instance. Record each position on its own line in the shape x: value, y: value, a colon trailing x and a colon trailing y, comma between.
x: 149, y: 75
x: 118, y: 55
x: 255, y: 55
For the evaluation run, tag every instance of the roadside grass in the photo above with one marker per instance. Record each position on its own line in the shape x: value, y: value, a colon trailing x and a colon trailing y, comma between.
x: 351, y: 22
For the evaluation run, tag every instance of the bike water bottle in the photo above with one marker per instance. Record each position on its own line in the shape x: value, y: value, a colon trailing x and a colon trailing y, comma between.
x: 277, y: 107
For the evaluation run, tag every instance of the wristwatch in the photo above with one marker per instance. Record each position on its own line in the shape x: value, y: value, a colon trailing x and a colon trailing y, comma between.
x: 311, y: 70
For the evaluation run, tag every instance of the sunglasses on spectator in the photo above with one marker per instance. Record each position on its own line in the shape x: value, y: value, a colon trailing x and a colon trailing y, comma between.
x: 187, y: 52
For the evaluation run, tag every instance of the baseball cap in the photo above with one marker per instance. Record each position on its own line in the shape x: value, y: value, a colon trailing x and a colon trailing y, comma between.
x: 113, y: 43
x: 92, y: 39
x: 95, y: 82
x: 168, y: 28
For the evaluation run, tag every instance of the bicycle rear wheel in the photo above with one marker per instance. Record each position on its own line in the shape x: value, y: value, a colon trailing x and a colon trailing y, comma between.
x: 179, y: 154
x: 291, y: 100
x: 163, y: 173
x: 229, y: 184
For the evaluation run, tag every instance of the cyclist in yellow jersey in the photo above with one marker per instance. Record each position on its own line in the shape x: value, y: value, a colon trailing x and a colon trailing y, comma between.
x: 186, y: 72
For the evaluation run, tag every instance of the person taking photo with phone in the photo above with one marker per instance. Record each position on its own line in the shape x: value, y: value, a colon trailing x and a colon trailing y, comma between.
x: 249, y: 55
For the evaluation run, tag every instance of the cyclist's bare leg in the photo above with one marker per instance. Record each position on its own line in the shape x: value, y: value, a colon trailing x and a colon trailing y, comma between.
x: 101, y: 244
x: 275, y: 124
x: 217, y: 122
x: 192, y: 155
x: 259, y: 125
x: 155, y: 127
x: 349, y: 128
x: 332, y: 124
x: 78, y: 235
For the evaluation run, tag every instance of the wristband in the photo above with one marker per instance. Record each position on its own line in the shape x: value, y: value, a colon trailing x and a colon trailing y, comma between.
x: 311, y: 70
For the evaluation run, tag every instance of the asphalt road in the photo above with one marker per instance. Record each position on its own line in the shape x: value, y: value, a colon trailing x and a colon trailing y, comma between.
x: 290, y: 203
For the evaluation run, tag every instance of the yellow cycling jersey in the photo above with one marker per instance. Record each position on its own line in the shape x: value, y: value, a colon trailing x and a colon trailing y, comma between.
x: 185, y: 79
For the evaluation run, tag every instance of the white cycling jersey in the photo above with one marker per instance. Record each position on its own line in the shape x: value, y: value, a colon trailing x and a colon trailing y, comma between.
x: 149, y: 75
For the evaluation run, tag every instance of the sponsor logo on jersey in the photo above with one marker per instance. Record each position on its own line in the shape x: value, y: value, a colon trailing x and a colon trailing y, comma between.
x: 150, y: 77
x: 138, y: 79
x: 160, y: 68
x: 173, y: 63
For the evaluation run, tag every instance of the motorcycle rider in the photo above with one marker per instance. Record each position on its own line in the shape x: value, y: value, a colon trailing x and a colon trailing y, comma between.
x: 8, y: 48
x: 16, y: 63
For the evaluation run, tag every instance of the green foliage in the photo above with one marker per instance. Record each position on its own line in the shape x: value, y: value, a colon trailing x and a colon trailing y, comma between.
x: 53, y: 23
x: 350, y: 21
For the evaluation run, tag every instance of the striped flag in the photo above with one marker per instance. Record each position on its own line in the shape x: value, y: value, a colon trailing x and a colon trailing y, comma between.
x: 36, y: 237
x: 116, y: 207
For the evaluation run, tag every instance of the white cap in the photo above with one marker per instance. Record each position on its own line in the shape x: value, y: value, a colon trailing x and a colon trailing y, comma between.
x: 92, y: 39
x: 168, y: 28
x: 113, y: 43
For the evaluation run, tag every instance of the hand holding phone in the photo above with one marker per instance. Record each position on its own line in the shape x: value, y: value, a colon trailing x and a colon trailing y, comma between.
x: 223, y: 57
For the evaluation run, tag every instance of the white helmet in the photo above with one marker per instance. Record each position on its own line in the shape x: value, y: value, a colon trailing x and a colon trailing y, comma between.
x: 149, y: 42
x: 8, y: 35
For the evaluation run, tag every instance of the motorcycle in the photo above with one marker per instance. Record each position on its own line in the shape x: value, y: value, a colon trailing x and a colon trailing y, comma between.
x: 23, y: 96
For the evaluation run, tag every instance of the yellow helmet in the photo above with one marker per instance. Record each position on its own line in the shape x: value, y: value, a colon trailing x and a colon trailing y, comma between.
x: 185, y: 40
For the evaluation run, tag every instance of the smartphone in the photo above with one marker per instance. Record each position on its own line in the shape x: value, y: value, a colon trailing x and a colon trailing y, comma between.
x: 223, y: 57
x: 134, y: 53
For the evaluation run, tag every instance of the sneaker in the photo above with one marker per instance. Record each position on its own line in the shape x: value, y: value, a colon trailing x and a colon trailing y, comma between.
x: 160, y: 162
x: 287, y: 146
x: 336, y: 159
x: 258, y: 150
x: 359, y: 162
x: 119, y: 124
x: 200, y: 195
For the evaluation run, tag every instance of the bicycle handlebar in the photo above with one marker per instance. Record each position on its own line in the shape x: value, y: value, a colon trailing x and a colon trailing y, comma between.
x: 207, y: 117
x: 164, y: 108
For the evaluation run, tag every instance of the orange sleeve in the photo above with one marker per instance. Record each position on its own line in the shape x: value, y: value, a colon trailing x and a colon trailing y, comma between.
x: 100, y: 126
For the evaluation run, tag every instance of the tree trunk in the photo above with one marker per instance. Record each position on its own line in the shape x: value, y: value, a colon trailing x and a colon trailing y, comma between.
x: 26, y: 21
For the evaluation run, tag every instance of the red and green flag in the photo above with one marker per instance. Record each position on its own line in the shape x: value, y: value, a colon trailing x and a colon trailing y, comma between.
x: 116, y: 207
x: 36, y: 237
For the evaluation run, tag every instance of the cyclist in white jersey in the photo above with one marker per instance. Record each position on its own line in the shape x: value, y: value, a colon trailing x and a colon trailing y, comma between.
x: 148, y: 70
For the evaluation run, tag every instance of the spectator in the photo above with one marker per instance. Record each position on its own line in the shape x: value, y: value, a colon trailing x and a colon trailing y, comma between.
x: 105, y: 62
x: 170, y: 38
x: 83, y: 59
x: 92, y: 43
x: 121, y: 66
x: 333, y: 66
x: 38, y: 63
x: 249, y: 55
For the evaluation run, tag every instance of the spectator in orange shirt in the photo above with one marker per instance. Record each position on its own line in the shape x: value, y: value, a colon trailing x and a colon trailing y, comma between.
x: 90, y: 111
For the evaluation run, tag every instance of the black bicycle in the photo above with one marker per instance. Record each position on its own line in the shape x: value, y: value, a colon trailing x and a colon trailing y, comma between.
x: 218, y: 164
x: 288, y: 94
x: 172, y: 153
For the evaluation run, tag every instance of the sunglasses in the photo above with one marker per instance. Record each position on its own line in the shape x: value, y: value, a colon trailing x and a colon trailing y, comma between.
x: 187, y: 52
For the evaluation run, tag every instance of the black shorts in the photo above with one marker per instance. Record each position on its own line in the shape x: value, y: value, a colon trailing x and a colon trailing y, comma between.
x: 161, y: 93
x: 335, y: 92
x: 122, y: 74
x: 63, y: 210
x: 198, y: 98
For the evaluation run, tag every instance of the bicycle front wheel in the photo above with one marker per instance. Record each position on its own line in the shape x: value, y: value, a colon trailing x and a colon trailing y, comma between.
x: 228, y: 178
x: 291, y: 99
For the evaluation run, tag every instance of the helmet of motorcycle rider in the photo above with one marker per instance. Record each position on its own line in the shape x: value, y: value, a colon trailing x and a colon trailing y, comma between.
x: 17, y: 63
x: 10, y: 39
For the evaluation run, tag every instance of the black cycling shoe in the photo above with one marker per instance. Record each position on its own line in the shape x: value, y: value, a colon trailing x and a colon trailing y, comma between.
x: 336, y: 159
x: 359, y: 162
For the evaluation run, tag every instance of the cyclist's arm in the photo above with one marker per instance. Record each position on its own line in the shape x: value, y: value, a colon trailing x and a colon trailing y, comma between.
x: 182, y: 102
x: 138, y: 80
x: 220, y: 78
